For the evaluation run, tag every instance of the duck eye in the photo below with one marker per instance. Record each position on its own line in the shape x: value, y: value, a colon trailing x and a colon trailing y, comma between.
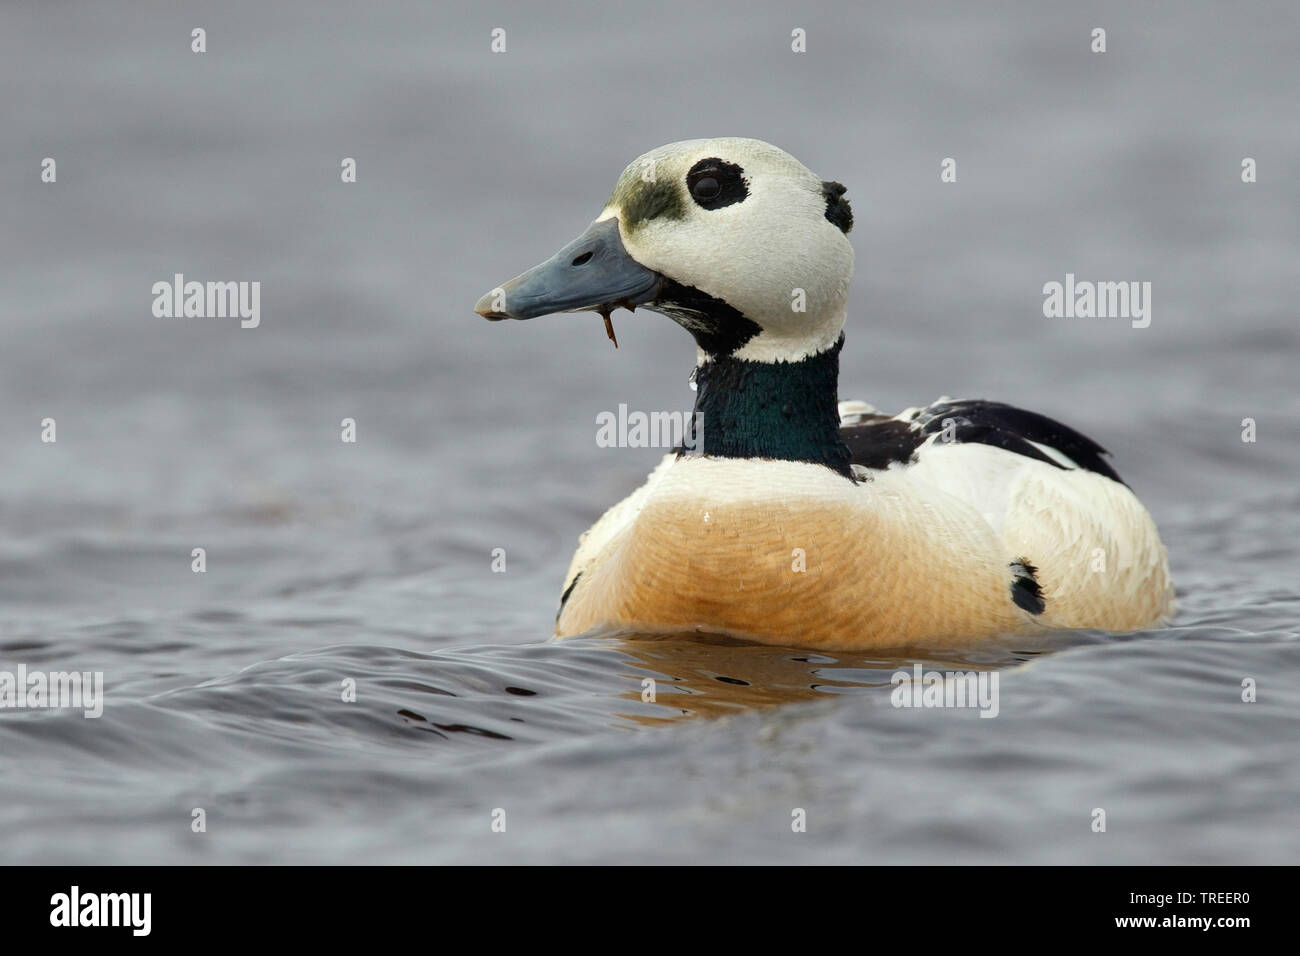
x: 714, y: 183
x: 706, y: 189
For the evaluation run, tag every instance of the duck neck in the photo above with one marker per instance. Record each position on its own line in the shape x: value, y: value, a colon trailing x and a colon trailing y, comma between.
x: 787, y: 411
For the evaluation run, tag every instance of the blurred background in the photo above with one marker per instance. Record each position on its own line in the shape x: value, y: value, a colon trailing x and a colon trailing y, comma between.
x: 373, y: 560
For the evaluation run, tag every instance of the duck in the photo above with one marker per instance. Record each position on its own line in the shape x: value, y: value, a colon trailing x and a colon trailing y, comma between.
x: 796, y: 518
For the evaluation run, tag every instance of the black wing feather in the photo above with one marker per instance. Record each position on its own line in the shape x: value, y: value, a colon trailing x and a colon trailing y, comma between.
x: 877, y: 442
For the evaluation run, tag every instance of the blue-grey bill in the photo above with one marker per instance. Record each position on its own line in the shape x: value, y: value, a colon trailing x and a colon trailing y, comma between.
x: 594, y: 272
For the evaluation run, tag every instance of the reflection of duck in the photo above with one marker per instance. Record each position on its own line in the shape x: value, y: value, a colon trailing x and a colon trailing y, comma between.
x: 804, y: 521
x: 700, y: 675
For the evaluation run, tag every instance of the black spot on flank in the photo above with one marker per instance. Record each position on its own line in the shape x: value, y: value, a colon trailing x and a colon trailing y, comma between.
x: 565, y: 596
x: 1025, y: 591
x: 838, y: 212
x: 714, y: 183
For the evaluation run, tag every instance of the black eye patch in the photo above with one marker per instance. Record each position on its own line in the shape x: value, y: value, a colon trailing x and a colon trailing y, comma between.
x: 714, y: 183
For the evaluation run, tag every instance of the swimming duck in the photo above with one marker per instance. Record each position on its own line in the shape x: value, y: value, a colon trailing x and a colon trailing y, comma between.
x: 798, y: 519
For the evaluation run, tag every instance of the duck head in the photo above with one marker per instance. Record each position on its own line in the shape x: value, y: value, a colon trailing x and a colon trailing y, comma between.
x: 735, y: 240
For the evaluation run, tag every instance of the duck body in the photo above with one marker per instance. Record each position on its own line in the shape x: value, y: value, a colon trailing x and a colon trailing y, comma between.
x: 795, y: 519
x: 789, y: 552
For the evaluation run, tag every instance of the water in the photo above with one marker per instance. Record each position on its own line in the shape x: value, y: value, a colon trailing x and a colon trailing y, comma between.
x: 372, y: 562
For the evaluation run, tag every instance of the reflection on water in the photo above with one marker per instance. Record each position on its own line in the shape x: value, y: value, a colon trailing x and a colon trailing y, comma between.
x: 698, y: 675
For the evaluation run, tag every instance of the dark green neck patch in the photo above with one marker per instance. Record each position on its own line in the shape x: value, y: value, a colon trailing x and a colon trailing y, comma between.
x: 641, y: 201
x: 788, y: 411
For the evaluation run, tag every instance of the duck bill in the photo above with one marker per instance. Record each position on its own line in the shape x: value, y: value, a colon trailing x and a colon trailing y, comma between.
x: 592, y: 273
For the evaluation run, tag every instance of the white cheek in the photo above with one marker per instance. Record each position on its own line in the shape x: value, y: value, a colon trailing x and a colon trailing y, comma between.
x: 776, y: 260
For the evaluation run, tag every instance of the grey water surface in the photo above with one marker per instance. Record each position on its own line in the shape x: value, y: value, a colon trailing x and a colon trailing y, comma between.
x: 372, y: 562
